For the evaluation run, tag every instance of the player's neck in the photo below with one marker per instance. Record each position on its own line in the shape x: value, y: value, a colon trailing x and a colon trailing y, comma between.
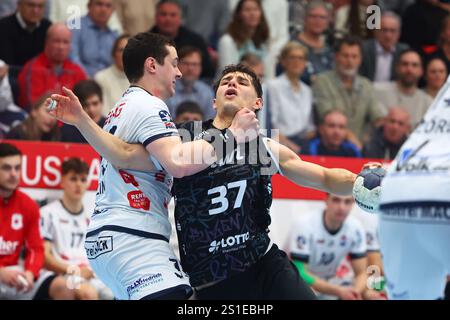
x: 73, y: 206
x: 222, y: 122
x: 331, y: 225
x: 150, y: 86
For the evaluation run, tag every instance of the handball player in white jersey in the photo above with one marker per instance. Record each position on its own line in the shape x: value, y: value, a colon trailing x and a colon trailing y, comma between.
x: 415, y: 209
x: 128, y: 238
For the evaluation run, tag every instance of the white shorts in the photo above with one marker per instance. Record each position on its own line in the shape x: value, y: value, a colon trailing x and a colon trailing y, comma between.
x: 135, y: 266
x: 9, y: 293
x: 416, y: 257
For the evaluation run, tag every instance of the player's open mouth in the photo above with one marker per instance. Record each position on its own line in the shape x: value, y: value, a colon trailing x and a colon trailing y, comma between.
x: 230, y: 93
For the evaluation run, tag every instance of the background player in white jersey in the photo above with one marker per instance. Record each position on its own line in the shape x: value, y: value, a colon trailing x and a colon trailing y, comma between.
x: 320, y: 242
x: 64, y: 224
x: 127, y: 243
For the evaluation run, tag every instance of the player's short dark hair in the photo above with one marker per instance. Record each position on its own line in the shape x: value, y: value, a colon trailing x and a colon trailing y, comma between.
x: 232, y: 68
x: 187, y: 51
x: 139, y: 48
x: 76, y: 165
x: 188, y: 106
x: 8, y: 150
x: 85, y: 89
x: 349, y: 41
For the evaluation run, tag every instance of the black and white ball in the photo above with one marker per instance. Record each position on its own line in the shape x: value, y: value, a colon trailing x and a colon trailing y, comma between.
x: 367, y: 189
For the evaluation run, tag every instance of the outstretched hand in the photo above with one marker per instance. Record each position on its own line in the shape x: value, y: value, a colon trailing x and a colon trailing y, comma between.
x: 68, y: 108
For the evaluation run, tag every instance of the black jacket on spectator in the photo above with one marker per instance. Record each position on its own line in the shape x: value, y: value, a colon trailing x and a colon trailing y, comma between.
x: 70, y: 133
x: 379, y: 148
x: 369, y: 61
x: 315, y: 147
x: 422, y: 24
x: 17, y: 45
x: 186, y: 37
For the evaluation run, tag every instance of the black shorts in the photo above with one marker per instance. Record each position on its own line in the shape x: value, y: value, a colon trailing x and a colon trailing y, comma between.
x: 274, y: 277
x: 43, y: 293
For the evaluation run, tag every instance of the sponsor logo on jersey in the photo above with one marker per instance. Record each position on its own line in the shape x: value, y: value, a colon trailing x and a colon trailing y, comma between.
x: 7, y: 247
x: 343, y: 240
x: 167, y: 119
x: 143, y: 282
x: 229, y: 244
x: 301, y: 241
x: 98, y: 247
x: 138, y: 200
x: 16, y: 221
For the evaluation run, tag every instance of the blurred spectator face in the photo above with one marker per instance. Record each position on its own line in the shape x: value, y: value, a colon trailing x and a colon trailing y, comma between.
x: 445, y: 32
x: 168, y: 19
x: 74, y: 185
x: 436, y: 74
x: 10, y: 170
x: 397, y: 125
x: 333, y: 130
x: 389, y: 33
x: 118, y: 53
x: 348, y: 60
x: 338, y: 208
x: 251, y: 14
x: 32, y: 11
x: 188, y: 116
x: 294, y: 63
x: 409, y: 69
x: 100, y: 11
x: 93, y: 107
x: 43, y: 120
x: 191, y: 67
x: 58, y: 43
x: 316, y: 20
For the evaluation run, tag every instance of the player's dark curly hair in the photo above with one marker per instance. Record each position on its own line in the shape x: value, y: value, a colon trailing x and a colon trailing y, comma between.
x: 139, y: 48
x: 232, y: 68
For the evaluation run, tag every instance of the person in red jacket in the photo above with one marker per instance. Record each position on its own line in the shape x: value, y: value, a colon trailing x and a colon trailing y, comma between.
x: 19, y: 229
x: 50, y: 70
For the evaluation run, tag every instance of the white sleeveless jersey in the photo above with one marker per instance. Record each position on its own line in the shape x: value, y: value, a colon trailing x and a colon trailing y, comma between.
x: 312, y: 243
x: 130, y: 198
x: 66, y: 231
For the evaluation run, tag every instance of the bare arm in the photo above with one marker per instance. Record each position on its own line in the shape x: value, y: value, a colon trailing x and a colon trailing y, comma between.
x: 336, y: 181
x: 51, y: 263
x: 360, y: 268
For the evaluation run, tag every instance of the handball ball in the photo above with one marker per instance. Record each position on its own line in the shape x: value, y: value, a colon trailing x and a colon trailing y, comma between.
x: 367, y: 189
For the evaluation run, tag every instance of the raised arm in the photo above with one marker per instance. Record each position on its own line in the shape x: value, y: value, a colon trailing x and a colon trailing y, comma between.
x: 335, y: 181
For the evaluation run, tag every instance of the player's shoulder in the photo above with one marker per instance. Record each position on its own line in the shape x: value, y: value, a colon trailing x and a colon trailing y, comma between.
x: 138, y: 100
x: 52, y: 207
x: 353, y: 224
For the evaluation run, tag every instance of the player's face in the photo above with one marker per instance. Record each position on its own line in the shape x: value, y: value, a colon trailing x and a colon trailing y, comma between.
x: 338, y: 207
x: 74, y: 185
x: 10, y: 173
x: 235, y: 92
x: 93, y: 107
x: 168, y: 74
